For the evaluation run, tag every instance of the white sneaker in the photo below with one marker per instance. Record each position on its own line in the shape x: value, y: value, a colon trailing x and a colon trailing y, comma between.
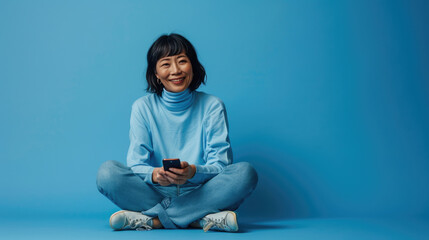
x: 129, y: 220
x: 221, y: 221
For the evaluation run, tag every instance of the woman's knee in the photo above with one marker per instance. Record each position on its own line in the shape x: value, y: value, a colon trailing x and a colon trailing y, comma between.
x: 247, y: 174
x: 108, y: 174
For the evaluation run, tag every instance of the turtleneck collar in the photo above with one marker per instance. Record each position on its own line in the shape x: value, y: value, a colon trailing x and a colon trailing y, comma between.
x: 177, y: 101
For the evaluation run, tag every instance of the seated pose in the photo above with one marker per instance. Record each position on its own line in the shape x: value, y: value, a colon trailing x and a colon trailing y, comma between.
x: 176, y: 121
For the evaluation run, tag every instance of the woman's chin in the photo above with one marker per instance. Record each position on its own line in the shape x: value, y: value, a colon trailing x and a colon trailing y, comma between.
x: 177, y: 89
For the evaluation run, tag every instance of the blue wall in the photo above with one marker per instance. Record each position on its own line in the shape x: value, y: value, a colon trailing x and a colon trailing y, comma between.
x: 327, y: 99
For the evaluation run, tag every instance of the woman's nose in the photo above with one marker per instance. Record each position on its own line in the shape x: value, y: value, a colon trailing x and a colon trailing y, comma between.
x: 175, y: 69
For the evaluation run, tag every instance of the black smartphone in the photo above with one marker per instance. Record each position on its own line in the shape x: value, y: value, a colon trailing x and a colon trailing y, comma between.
x: 170, y: 163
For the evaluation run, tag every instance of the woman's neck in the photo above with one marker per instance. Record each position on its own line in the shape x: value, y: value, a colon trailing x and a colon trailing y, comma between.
x: 177, y: 101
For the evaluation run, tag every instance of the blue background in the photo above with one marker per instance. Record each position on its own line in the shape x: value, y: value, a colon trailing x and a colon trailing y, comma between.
x: 327, y: 99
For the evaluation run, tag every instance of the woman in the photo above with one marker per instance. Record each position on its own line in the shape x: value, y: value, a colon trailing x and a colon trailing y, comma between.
x: 176, y: 121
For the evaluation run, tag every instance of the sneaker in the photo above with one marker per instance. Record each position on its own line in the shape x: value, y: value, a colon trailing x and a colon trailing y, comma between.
x: 128, y: 220
x: 222, y: 221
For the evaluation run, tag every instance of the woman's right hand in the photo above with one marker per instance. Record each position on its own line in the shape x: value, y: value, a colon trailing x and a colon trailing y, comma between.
x: 158, y: 176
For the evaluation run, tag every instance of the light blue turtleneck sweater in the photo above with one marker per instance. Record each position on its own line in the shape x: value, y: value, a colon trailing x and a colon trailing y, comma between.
x: 192, y: 126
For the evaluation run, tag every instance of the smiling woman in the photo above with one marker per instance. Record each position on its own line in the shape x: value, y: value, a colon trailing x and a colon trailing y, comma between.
x: 173, y: 56
x: 177, y: 122
x: 174, y: 72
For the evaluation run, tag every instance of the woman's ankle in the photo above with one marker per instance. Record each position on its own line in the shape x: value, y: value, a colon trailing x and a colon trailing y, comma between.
x: 156, y: 223
x: 195, y: 224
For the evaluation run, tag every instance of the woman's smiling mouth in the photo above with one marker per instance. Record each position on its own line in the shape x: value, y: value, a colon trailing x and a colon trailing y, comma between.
x: 177, y: 80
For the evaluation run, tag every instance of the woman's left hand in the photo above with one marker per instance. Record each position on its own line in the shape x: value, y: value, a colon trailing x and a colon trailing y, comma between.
x: 180, y: 176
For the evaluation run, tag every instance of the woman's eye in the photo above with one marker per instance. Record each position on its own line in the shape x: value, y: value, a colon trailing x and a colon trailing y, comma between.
x: 182, y: 61
x: 165, y: 65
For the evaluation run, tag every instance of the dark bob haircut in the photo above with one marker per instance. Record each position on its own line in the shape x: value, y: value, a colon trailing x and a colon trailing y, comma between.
x: 169, y: 45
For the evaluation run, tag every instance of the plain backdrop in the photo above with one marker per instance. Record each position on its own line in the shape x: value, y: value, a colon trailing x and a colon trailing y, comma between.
x: 327, y: 99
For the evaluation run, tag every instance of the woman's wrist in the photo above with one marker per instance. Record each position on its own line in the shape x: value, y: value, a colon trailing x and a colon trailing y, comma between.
x: 155, y: 170
x: 194, y: 171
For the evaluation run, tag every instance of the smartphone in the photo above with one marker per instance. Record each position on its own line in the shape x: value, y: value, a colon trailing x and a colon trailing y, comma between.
x: 170, y: 163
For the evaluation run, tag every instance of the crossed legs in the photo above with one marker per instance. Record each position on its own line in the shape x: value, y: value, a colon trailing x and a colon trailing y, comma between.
x: 226, y: 191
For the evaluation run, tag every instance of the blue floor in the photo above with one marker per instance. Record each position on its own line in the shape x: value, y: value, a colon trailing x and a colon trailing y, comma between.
x: 303, y: 229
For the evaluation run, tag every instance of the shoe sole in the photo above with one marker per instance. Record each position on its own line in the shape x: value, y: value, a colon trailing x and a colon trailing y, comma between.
x: 110, y: 219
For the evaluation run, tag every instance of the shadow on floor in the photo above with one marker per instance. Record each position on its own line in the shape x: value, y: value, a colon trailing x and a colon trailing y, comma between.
x: 249, y: 227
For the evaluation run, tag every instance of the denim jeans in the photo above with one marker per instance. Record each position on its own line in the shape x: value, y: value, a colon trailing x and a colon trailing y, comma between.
x: 177, y: 206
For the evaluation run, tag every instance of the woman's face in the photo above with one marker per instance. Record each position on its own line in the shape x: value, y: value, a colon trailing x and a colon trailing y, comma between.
x: 175, y: 72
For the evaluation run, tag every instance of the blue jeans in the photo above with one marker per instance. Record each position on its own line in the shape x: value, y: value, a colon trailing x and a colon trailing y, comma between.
x: 177, y: 207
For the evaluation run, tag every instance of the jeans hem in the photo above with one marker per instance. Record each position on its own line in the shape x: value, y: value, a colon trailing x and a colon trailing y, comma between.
x: 159, y: 211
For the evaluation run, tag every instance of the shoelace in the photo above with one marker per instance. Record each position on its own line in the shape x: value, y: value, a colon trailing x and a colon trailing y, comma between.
x: 220, y: 223
x: 139, y: 225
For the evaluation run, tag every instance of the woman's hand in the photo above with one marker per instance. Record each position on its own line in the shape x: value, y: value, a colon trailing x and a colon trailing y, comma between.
x: 158, y: 176
x: 180, y: 176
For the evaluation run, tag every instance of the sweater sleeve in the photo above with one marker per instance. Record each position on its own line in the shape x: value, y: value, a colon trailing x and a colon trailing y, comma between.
x: 217, y: 153
x: 140, y: 146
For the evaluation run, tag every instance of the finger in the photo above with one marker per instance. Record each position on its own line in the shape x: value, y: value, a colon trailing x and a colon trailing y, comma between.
x: 176, y: 180
x: 184, y: 164
x: 187, y: 171
x: 161, y: 176
x: 166, y: 183
x: 175, y: 176
x: 166, y: 180
x: 170, y: 174
x: 178, y: 171
x: 161, y: 179
x: 171, y: 180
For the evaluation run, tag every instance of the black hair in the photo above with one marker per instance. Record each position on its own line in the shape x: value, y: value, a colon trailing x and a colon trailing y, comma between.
x: 169, y: 45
